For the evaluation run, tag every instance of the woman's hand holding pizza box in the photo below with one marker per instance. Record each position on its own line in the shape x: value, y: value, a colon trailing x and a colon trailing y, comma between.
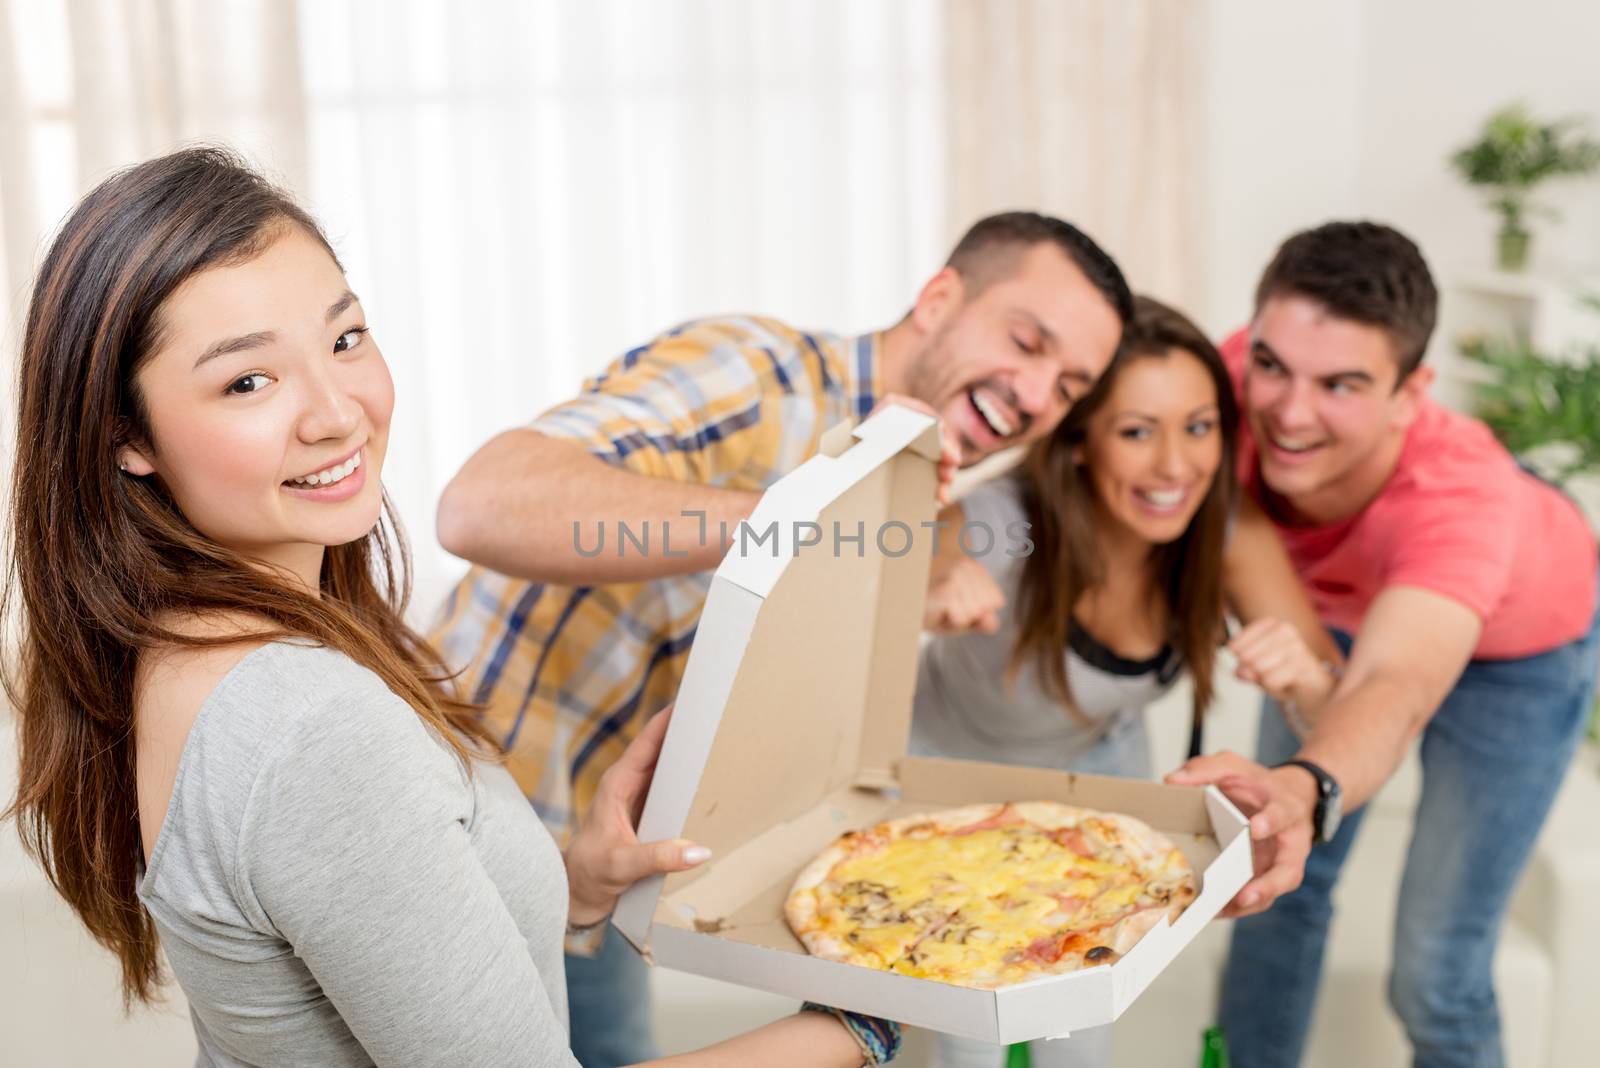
x: 605, y: 856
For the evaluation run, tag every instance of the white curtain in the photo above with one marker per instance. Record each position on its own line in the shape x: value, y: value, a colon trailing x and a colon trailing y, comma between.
x: 521, y: 190
x: 90, y: 85
x: 1091, y: 110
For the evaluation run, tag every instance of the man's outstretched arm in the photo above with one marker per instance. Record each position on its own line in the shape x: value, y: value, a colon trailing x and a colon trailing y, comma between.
x: 545, y: 509
x: 1412, y: 648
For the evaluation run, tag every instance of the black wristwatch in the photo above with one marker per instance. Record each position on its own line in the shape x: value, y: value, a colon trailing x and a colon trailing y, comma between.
x: 1330, y: 801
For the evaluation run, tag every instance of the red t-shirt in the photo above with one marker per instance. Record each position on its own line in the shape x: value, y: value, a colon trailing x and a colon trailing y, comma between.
x: 1458, y: 517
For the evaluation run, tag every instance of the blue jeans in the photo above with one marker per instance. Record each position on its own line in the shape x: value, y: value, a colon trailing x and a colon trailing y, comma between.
x: 1493, y: 758
x: 608, y: 1005
x: 1124, y: 751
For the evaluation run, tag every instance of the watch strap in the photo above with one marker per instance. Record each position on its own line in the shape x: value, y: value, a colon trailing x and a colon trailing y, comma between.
x: 1325, y: 782
x: 1326, y: 785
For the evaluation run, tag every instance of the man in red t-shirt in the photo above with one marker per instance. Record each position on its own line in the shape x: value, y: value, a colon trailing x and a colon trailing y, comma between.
x: 1465, y: 591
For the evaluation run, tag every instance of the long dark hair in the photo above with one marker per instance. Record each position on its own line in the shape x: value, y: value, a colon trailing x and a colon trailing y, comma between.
x: 100, y: 559
x: 1059, y: 498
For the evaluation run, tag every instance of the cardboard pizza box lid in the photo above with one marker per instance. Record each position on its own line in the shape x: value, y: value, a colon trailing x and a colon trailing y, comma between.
x: 791, y: 726
x: 800, y: 678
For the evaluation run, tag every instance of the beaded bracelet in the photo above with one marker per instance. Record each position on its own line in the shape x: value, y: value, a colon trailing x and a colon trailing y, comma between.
x: 1291, y: 708
x: 586, y: 939
x: 879, y: 1039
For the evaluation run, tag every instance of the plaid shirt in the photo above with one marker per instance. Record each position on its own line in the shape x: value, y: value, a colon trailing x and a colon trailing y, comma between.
x: 568, y: 674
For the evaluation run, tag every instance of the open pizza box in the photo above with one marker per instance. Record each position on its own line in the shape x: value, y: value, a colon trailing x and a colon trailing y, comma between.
x: 791, y: 728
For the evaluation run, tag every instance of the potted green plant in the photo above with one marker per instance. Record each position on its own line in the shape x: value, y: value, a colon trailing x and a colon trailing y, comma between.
x: 1544, y: 409
x: 1513, y: 153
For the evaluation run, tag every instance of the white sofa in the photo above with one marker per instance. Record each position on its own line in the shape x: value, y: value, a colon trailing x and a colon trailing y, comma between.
x: 59, y: 1003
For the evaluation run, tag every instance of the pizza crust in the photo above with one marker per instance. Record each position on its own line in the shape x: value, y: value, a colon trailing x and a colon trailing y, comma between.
x: 801, y: 909
x: 1050, y: 814
x: 1130, y: 929
x: 944, y: 821
x: 830, y: 947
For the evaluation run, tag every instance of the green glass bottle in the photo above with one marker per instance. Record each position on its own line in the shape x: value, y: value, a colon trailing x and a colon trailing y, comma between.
x: 1214, y: 1049
x: 1017, y: 1056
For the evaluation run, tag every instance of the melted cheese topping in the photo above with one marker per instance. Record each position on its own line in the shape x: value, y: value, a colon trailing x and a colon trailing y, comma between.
x: 988, y: 906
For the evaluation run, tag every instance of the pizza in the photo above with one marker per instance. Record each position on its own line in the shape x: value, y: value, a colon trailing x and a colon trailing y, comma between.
x: 989, y: 895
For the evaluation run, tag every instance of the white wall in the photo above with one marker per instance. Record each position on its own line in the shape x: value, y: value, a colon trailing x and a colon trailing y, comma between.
x: 1282, y: 120
x: 1433, y: 70
x: 1318, y: 110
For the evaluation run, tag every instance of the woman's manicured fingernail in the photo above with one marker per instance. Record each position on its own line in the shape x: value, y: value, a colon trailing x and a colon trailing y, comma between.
x: 696, y: 854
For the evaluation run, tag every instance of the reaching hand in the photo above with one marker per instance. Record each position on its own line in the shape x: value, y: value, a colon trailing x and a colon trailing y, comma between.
x: 962, y: 596
x: 1273, y: 655
x: 950, y: 460
x: 1279, y: 810
x: 605, y: 856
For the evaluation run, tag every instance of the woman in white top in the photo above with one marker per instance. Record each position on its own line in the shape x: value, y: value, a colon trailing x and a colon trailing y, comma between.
x: 1070, y: 593
x: 232, y: 747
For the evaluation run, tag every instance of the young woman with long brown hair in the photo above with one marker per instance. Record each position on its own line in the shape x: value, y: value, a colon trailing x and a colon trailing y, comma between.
x: 232, y: 747
x: 1113, y: 552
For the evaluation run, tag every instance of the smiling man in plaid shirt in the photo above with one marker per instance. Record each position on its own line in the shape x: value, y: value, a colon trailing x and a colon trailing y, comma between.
x: 570, y: 650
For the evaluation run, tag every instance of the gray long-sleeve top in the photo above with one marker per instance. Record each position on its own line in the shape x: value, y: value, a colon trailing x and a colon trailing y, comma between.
x: 332, y: 888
